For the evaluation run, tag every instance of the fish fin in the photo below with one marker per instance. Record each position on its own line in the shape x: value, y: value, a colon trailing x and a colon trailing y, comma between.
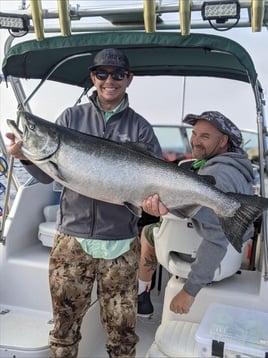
x: 133, y: 209
x: 185, y: 212
x: 55, y: 170
x: 236, y: 226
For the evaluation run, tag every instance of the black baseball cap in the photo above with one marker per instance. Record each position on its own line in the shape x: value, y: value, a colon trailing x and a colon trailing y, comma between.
x: 110, y: 57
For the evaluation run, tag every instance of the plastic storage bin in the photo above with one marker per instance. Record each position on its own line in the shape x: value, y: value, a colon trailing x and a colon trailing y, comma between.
x: 232, y: 332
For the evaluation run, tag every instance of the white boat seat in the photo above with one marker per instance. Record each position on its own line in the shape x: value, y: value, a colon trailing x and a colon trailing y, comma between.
x: 176, y: 238
x: 175, y: 339
x: 47, y: 229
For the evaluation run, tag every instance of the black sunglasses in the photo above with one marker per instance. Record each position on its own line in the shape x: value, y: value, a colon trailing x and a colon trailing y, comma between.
x: 117, y: 75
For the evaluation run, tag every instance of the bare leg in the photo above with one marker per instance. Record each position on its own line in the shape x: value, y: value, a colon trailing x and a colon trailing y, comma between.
x: 147, y: 267
x: 148, y: 260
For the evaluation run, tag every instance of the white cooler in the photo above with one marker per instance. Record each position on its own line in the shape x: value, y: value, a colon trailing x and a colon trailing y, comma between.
x: 230, y: 331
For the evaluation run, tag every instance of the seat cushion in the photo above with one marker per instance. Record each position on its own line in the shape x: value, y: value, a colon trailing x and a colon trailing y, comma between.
x: 46, y: 233
x: 177, y: 339
x: 154, y: 352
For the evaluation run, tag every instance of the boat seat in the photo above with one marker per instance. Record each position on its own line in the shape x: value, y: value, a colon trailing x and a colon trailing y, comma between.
x: 47, y: 229
x: 176, y: 245
x: 174, y: 339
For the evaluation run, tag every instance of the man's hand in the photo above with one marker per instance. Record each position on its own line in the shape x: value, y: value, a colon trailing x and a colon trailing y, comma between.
x: 153, y: 206
x: 14, y: 148
x: 182, y: 302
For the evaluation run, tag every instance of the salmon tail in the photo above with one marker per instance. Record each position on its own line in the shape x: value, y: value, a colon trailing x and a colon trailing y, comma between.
x: 236, y: 226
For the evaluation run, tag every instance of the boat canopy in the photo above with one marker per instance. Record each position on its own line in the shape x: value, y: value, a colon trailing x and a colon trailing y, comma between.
x: 67, y: 59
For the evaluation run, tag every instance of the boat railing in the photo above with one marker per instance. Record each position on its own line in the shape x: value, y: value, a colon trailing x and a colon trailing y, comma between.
x: 8, y: 179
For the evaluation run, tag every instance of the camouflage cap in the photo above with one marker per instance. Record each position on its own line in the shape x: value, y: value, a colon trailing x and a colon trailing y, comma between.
x: 222, y: 123
x: 110, y: 57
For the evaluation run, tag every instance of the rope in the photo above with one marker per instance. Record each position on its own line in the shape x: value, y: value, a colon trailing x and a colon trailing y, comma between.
x: 3, y: 167
x: 3, y: 172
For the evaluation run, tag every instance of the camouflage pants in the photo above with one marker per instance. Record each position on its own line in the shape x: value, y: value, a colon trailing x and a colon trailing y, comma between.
x: 72, y: 273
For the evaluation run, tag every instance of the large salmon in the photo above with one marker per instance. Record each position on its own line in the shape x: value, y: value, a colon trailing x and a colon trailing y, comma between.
x: 124, y: 174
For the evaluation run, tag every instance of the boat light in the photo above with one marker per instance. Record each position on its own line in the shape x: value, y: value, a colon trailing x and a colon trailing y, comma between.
x: 220, y: 11
x: 14, y: 22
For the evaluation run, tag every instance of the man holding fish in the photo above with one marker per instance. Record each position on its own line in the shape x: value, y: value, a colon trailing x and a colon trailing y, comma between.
x: 216, y: 145
x: 96, y: 239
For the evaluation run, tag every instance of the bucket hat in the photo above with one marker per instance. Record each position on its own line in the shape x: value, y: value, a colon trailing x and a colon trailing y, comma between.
x: 222, y: 123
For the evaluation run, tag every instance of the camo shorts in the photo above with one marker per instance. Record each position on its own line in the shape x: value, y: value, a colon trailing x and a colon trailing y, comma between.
x: 72, y: 273
x: 148, y: 232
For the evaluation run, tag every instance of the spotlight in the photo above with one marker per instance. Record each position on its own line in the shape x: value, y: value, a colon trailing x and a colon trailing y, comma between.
x: 220, y: 11
x: 14, y: 22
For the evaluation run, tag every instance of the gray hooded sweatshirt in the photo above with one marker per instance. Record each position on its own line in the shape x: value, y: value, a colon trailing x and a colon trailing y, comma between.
x: 233, y: 172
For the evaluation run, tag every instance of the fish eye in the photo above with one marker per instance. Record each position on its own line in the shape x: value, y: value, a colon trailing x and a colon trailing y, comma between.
x: 32, y: 126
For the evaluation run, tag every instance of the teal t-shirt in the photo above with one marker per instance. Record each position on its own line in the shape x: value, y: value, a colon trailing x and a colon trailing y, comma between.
x: 105, y: 249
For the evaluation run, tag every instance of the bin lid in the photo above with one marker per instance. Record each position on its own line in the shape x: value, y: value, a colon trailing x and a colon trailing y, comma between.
x: 241, y: 330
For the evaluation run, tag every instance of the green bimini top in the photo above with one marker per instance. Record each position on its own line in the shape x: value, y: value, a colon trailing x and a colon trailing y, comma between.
x: 66, y: 59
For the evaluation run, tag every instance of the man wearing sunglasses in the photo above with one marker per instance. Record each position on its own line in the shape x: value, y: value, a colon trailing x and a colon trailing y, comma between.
x: 111, y: 76
x: 97, y: 240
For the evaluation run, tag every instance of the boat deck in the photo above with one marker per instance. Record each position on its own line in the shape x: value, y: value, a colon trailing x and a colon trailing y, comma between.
x: 146, y: 327
x: 24, y: 332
